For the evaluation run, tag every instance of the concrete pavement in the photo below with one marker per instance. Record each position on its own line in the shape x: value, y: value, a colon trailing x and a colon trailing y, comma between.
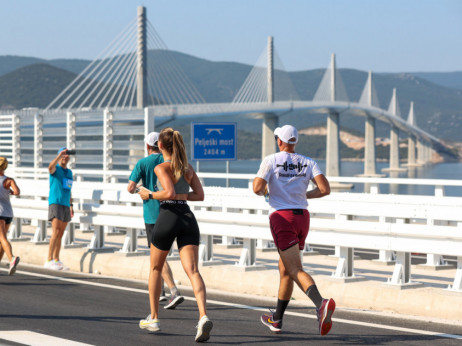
x: 430, y: 300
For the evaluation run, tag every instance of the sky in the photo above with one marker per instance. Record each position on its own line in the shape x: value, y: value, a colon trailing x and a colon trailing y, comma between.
x: 368, y: 35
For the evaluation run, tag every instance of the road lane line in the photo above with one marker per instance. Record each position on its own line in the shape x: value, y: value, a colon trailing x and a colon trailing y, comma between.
x: 256, y: 308
x: 36, y: 339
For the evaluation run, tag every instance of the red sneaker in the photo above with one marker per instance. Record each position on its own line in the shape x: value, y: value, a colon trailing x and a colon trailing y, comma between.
x: 324, y: 315
x: 274, y: 326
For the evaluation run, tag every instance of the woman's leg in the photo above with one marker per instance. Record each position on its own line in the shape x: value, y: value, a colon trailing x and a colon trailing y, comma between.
x: 6, y: 246
x: 155, y: 279
x: 189, y: 259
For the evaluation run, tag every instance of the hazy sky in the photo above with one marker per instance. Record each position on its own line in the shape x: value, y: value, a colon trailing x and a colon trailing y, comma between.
x: 377, y: 35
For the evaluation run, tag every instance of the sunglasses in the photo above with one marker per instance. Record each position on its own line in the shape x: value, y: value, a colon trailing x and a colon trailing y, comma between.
x: 276, y: 137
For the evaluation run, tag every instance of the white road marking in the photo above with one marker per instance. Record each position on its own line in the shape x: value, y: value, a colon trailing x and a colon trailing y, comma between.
x: 255, y: 308
x: 36, y: 339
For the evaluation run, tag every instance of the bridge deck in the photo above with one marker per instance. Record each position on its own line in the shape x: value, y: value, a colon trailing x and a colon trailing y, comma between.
x: 430, y: 301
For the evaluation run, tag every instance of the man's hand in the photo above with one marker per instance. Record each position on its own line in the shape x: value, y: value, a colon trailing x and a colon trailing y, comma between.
x: 144, y: 194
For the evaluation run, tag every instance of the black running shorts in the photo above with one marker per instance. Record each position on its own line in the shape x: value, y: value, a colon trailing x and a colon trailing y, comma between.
x: 175, y: 220
x: 149, y: 229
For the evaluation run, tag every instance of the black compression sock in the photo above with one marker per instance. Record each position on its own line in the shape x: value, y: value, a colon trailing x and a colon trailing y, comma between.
x: 313, y: 293
x: 280, y: 309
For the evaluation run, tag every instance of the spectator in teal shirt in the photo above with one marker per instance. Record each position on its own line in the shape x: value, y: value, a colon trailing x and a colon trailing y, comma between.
x: 144, y: 172
x: 60, y: 208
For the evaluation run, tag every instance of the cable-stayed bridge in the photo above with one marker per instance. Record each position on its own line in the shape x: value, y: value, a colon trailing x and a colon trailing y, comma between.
x: 135, y: 81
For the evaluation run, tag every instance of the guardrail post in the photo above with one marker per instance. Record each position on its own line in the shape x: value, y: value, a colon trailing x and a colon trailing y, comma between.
x: 16, y: 140
x: 345, y: 262
x: 457, y: 284
x: 402, y: 272
x: 265, y: 245
x: 131, y: 243
x: 248, y: 259
x: 206, y: 251
x: 68, y: 240
x: 15, y: 231
x: 97, y: 241
x: 307, y: 250
x: 229, y: 242
x: 386, y: 257
x: 40, y: 235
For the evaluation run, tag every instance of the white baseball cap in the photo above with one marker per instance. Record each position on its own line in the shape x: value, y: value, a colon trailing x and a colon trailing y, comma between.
x: 151, y: 139
x: 286, y: 133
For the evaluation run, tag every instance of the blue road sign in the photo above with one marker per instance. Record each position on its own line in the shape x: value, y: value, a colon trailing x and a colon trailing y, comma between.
x: 213, y: 141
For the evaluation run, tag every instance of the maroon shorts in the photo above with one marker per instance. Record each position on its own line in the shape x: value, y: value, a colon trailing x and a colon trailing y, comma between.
x: 289, y: 227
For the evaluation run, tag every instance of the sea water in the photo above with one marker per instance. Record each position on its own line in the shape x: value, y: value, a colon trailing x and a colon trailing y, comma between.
x: 452, y: 170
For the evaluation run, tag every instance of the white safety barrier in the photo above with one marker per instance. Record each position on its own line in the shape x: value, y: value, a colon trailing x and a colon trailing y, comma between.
x: 391, y: 224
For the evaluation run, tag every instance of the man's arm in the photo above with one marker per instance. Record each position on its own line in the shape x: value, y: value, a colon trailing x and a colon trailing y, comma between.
x: 259, y: 186
x: 52, y: 165
x: 322, y: 187
x: 131, y: 187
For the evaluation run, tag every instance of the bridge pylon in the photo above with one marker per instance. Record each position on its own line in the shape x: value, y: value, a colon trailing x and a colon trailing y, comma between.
x: 411, y: 153
x: 142, y: 59
x: 270, y: 120
x: 369, y: 98
x: 394, y: 137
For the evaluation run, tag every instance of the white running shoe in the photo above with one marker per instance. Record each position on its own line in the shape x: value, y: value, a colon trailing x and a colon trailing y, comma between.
x: 48, y: 264
x: 57, y: 265
x: 150, y: 324
x: 174, y: 301
x: 203, y: 329
x: 13, y: 264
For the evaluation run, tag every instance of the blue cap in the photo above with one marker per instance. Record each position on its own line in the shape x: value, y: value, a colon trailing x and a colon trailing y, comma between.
x: 61, y: 149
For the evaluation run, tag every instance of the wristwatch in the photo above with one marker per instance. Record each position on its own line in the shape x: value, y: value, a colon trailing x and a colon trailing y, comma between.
x: 150, y: 195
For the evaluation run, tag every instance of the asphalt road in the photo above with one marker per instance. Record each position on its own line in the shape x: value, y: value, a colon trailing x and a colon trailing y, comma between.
x: 105, y: 311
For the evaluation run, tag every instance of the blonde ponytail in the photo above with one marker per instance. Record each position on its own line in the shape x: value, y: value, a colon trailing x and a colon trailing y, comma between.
x: 172, y: 142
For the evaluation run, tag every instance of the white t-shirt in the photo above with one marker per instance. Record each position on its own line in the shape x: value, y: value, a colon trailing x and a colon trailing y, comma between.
x: 288, y: 176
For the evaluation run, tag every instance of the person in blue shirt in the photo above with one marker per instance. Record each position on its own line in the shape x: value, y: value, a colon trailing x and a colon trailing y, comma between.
x: 144, y: 172
x: 60, y: 208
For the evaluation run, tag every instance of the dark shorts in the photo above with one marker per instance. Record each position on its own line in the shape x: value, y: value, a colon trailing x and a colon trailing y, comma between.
x: 149, y: 229
x: 175, y: 221
x: 61, y: 212
x: 289, y: 227
x: 6, y: 219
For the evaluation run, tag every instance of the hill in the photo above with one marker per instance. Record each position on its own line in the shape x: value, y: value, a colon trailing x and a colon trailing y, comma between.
x: 447, y: 79
x: 438, y: 109
x: 32, y: 86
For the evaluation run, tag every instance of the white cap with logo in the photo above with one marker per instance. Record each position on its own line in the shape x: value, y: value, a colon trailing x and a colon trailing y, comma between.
x: 286, y: 133
x: 151, y: 139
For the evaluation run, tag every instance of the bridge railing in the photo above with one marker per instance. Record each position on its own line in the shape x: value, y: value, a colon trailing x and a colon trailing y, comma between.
x: 437, y: 187
x: 396, y: 226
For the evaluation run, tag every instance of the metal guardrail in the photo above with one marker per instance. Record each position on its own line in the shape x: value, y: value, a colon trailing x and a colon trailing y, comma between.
x: 394, y: 226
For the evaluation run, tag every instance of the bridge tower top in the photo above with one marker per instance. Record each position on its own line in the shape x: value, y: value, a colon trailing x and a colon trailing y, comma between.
x: 331, y: 88
x: 411, y: 117
x: 142, y: 60
x: 369, y: 94
x: 393, y: 108
x: 270, y: 70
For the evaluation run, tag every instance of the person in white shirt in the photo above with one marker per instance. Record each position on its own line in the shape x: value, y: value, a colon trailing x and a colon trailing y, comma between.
x: 284, y: 178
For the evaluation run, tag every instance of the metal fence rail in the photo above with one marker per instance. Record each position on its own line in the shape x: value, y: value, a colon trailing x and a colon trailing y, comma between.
x: 395, y: 227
